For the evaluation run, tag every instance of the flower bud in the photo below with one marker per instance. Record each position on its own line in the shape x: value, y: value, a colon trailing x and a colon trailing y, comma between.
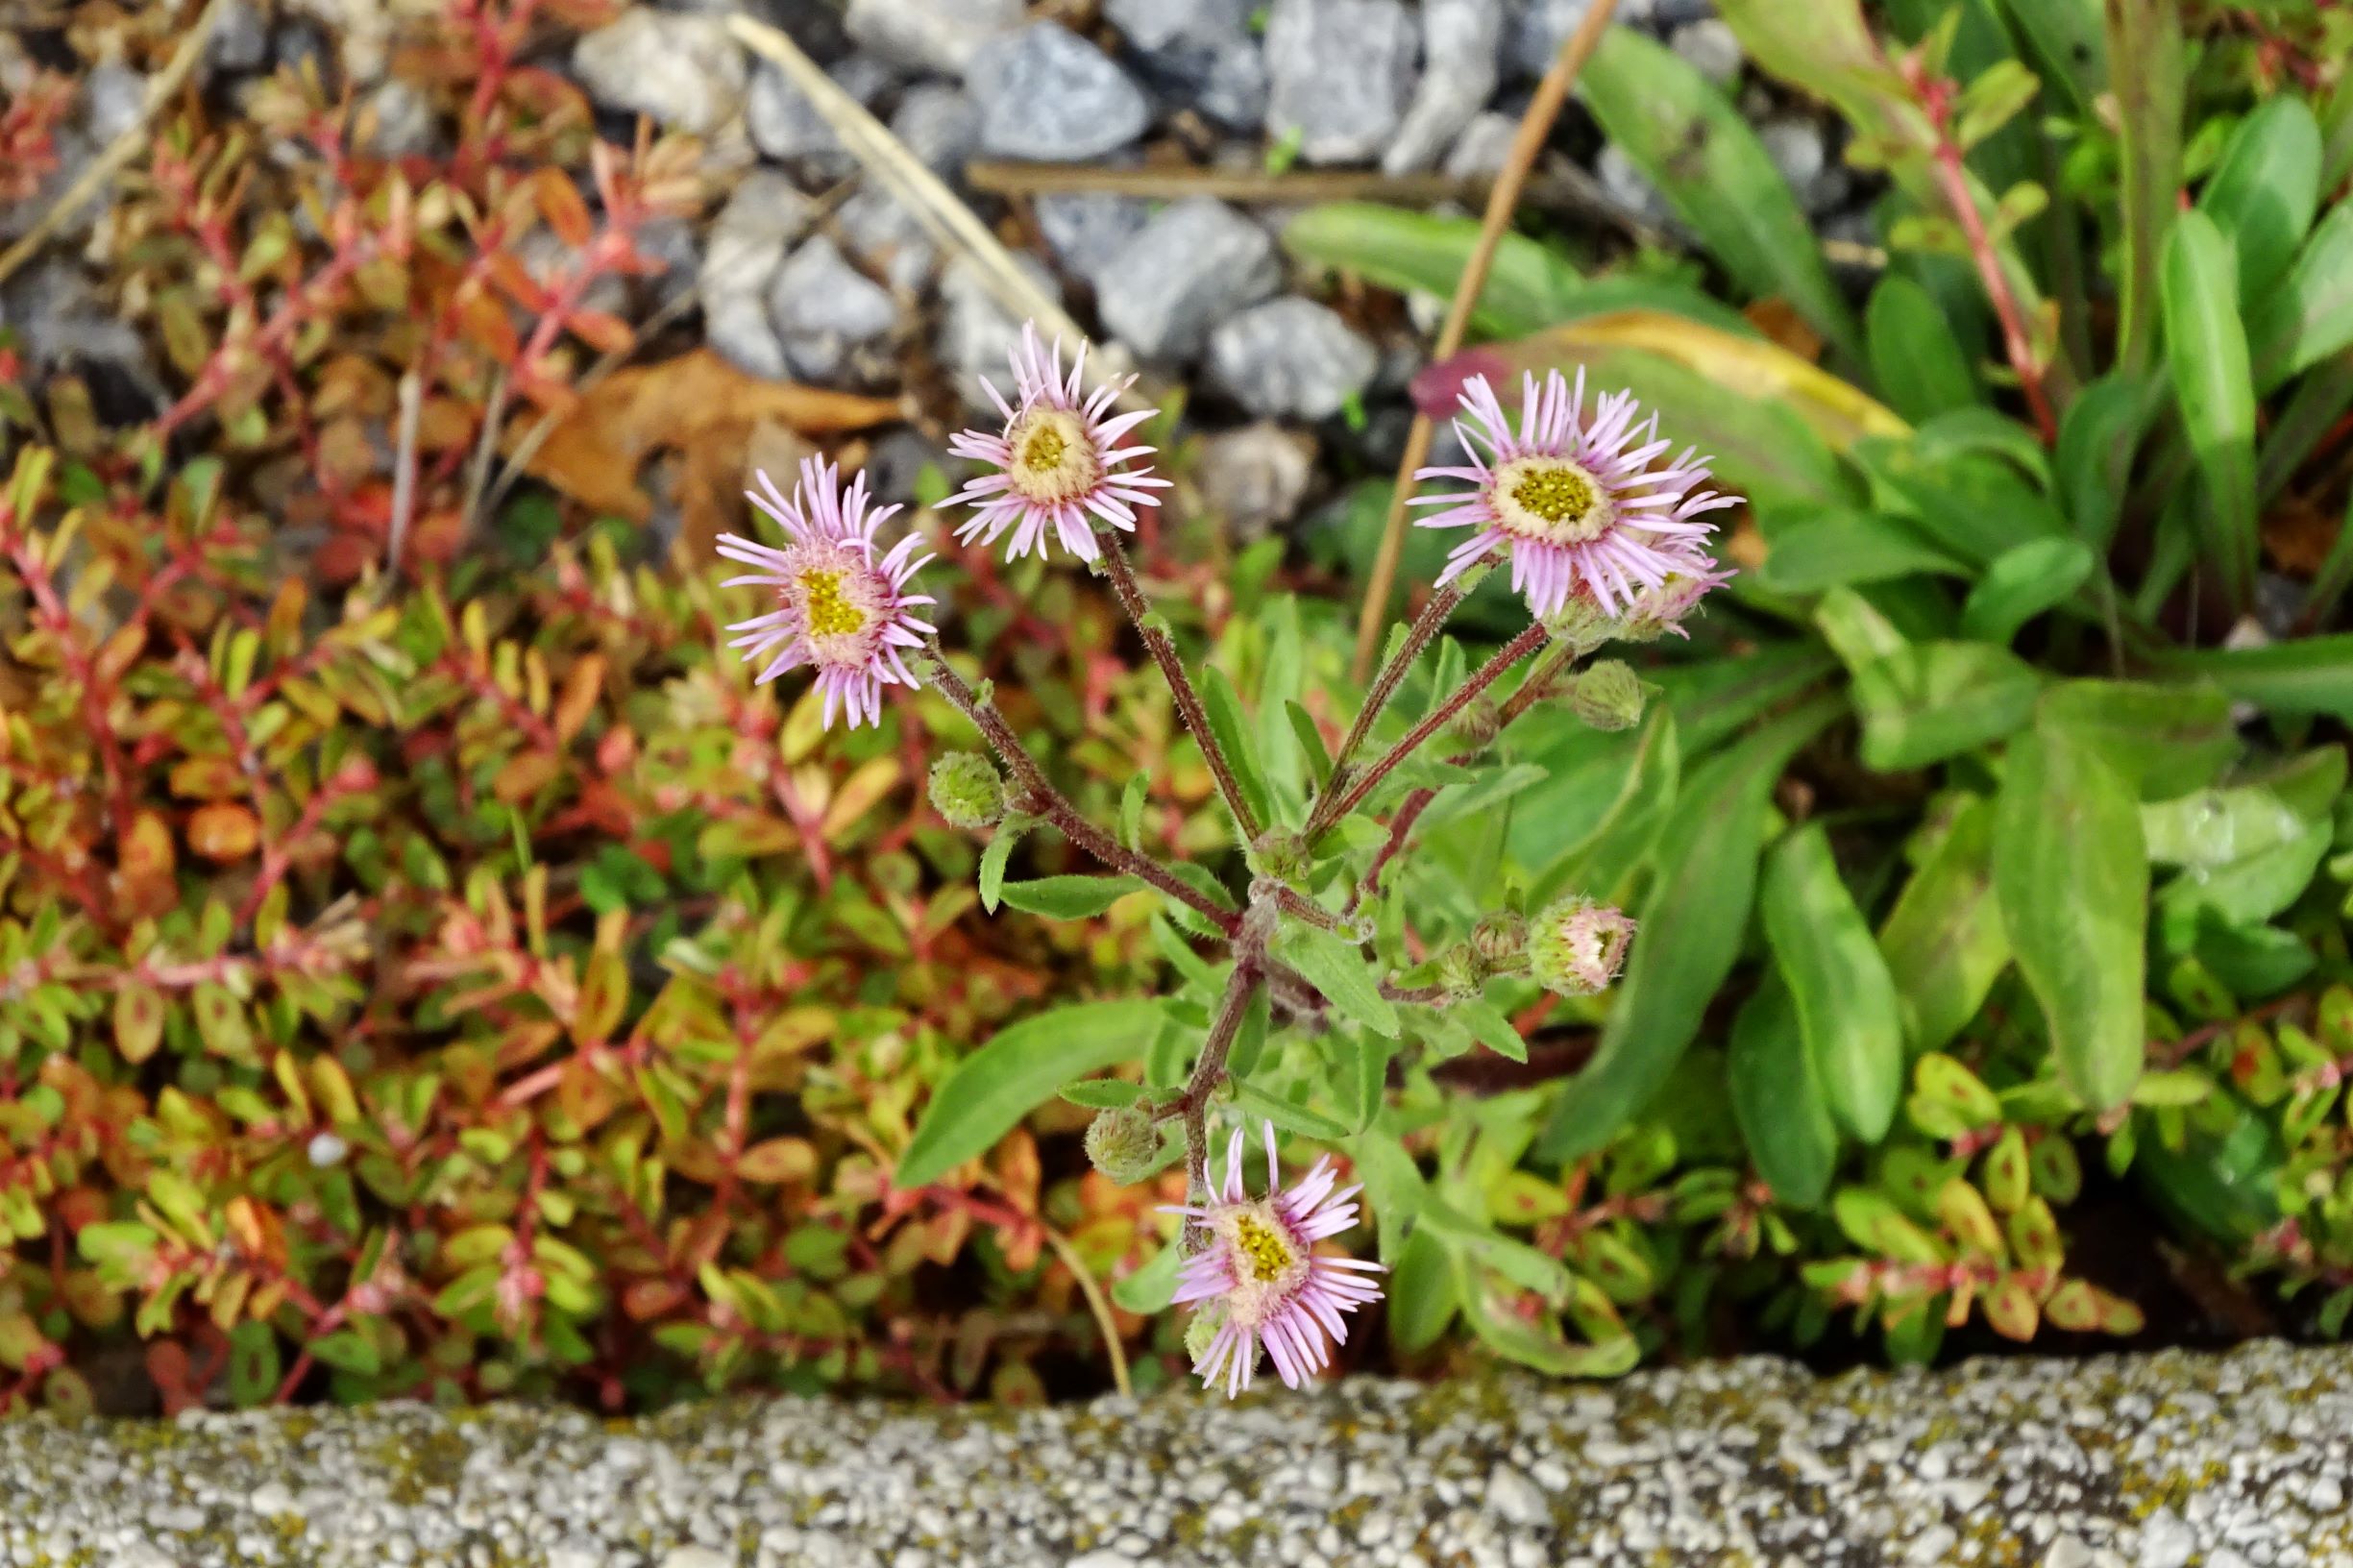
x: 1476, y: 727
x: 967, y: 791
x: 1581, y: 625
x: 1124, y: 1144
x: 1281, y: 854
x: 1608, y: 696
x: 1657, y: 611
x: 1501, y: 939
x: 1202, y: 1328
x: 1460, y: 975
x: 1577, y: 946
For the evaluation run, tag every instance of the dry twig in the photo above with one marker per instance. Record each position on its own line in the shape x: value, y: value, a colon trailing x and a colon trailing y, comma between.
x: 1535, y: 126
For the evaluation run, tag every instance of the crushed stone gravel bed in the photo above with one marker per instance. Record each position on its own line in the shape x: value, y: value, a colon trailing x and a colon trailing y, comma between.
x: 2238, y: 1460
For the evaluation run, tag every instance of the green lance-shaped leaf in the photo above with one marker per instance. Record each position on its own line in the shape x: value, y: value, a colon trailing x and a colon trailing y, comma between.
x: 2206, y: 354
x: 1231, y: 728
x: 1068, y: 897
x: 2071, y: 876
x: 2264, y: 191
x: 1944, y: 942
x: 1019, y: 1069
x: 1691, y: 143
x: 1778, y: 1099
x: 1340, y: 970
x: 1838, y: 983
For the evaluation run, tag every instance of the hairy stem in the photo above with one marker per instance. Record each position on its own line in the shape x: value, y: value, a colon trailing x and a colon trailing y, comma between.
x: 1051, y: 803
x: 1164, y: 654
x: 1377, y: 695
x: 1484, y: 677
x: 1409, y: 812
x: 1209, y: 1070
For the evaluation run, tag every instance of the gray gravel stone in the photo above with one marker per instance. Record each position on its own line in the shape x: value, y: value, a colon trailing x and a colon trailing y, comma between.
x: 1291, y: 356
x: 1799, y: 149
x: 1340, y: 72
x: 59, y: 320
x: 826, y: 310
x: 1086, y: 229
x: 1542, y: 26
x: 889, y: 238
x: 2165, y: 1459
x: 748, y: 242
x: 1196, y: 262
x: 1046, y: 93
x: 1460, y: 42
x: 976, y: 334
x: 939, y: 125
x: 681, y: 71
x: 113, y: 98
x: 1485, y: 145
x: 405, y: 124
x: 1711, y: 48
x: 241, y: 39
x: 786, y: 125
x: 930, y: 35
x: 1199, y: 54
x: 1255, y: 477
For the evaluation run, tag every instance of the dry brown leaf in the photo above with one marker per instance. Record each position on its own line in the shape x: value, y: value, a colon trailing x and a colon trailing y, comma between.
x: 698, y: 405
x: 2299, y: 534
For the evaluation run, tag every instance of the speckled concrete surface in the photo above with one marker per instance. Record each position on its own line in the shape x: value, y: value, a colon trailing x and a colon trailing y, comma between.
x: 2168, y: 1462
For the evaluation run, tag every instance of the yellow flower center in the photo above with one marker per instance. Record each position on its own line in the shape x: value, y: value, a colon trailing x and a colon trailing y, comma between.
x: 1263, y: 1249
x: 1053, y: 459
x: 1042, y: 453
x: 827, y: 609
x: 1552, y: 500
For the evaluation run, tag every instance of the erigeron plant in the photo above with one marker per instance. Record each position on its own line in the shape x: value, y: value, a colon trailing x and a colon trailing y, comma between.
x: 1602, y: 543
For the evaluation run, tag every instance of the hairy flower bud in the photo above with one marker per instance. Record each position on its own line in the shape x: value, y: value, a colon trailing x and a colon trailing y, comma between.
x: 1501, y: 939
x: 1460, y: 974
x: 1608, y: 696
x: 1124, y: 1144
x: 1577, y: 946
x: 1282, y: 854
x: 1580, y: 624
x: 1476, y: 727
x: 1207, y: 1319
x: 967, y: 791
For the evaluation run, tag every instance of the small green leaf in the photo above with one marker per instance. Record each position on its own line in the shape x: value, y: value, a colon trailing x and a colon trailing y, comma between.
x: 1018, y: 1070
x: 1149, y: 1288
x: 1289, y: 1114
x: 1068, y: 897
x: 1810, y: 548
x: 2021, y: 583
x: 1422, y: 1294
x: 1838, y: 983
x: 2290, y: 680
x: 2206, y: 354
x: 1230, y: 729
x: 2164, y: 740
x: 1488, y: 1024
x: 1915, y: 361
x: 1339, y: 970
x: 2072, y: 879
x: 2262, y: 194
x: 1311, y: 743
x: 1101, y: 1094
x: 2098, y: 435
x: 1131, y: 812
x: 1944, y: 940
x: 1929, y: 701
x: 993, y: 867
x: 2310, y: 317
x: 1778, y: 1099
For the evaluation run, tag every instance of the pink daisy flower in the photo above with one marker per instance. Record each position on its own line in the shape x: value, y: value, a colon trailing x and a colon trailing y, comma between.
x: 1575, y: 498
x: 838, y: 609
x: 1258, y: 1271
x: 1058, y: 458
